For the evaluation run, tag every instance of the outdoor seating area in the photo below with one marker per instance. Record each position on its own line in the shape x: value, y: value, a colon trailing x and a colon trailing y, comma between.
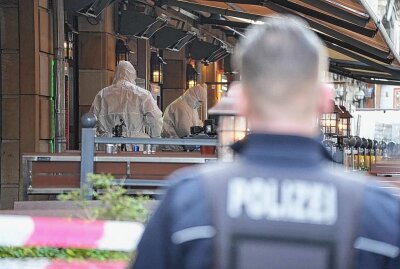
x: 198, y: 134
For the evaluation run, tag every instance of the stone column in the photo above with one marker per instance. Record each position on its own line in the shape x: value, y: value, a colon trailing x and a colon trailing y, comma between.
x: 97, y: 59
x: 174, y: 76
x: 143, y: 60
x: 26, y: 54
x: 10, y: 100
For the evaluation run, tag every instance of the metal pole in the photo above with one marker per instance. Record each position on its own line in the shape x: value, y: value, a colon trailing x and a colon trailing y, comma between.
x: 370, y: 159
x: 87, y: 153
x: 58, y: 19
x: 198, y: 69
x: 87, y: 160
x: 365, y: 159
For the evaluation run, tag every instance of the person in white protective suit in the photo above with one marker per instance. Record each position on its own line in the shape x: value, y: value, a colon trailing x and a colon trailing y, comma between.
x: 125, y: 100
x: 182, y: 113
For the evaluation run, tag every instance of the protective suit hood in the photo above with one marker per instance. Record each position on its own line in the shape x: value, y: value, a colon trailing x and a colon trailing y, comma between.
x: 194, y: 95
x: 182, y: 114
x: 125, y: 72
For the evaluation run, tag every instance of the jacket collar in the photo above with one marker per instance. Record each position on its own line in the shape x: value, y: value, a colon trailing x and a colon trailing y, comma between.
x: 280, y: 149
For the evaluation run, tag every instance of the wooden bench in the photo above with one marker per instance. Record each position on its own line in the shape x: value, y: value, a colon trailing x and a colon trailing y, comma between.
x: 141, y: 173
x: 388, y: 173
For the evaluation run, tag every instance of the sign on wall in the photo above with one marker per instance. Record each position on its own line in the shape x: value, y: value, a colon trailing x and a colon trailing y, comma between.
x: 396, y: 98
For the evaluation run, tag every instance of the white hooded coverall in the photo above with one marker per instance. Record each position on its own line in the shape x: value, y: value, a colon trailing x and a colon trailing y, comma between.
x: 123, y: 99
x: 182, y: 113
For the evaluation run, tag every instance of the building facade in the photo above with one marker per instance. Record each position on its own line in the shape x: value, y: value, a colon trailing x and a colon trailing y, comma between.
x: 29, y: 111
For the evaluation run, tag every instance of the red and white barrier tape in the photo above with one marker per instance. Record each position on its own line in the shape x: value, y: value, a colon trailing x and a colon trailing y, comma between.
x: 57, y: 264
x: 22, y: 231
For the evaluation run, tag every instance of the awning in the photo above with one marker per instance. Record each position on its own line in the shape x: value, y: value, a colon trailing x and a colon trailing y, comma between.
x: 163, y: 35
x: 357, y: 43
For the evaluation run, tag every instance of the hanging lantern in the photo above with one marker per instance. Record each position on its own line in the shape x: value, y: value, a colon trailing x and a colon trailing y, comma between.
x: 344, y: 122
x: 156, y: 68
x: 69, y: 39
x: 329, y: 122
x: 231, y: 126
x: 191, y: 76
x: 191, y: 83
x: 121, y: 51
x: 69, y: 46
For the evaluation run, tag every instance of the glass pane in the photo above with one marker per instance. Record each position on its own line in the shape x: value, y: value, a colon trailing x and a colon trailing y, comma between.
x: 239, y: 135
x: 240, y: 124
x: 226, y: 137
x: 228, y: 123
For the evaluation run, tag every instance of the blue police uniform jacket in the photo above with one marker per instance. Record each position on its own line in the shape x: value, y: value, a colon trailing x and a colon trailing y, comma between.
x: 180, y: 232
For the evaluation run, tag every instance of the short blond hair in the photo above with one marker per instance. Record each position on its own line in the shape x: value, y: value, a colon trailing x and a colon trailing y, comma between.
x: 280, y: 62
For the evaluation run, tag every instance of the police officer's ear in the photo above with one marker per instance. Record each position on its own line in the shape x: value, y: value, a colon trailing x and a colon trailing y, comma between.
x: 240, y: 98
x: 325, y: 102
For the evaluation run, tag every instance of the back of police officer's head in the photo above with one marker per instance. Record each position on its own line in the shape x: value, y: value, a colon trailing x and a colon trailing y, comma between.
x: 281, y: 63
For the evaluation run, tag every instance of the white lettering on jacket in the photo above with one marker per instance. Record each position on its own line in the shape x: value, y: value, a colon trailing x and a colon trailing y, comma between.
x: 288, y: 200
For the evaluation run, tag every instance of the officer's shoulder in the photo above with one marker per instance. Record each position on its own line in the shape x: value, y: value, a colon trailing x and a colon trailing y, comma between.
x: 186, y: 193
x: 381, y: 212
x: 374, y: 189
x: 382, y: 192
x: 347, y: 177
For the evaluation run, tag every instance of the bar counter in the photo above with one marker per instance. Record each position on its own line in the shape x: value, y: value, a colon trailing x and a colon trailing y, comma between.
x: 388, y: 173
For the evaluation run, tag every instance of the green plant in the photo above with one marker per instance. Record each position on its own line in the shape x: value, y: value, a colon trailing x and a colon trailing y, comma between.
x: 63, y: 254
x: 114, y: 203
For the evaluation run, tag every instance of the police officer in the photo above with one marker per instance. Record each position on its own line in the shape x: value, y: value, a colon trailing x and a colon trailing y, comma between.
x: 279, y: 204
